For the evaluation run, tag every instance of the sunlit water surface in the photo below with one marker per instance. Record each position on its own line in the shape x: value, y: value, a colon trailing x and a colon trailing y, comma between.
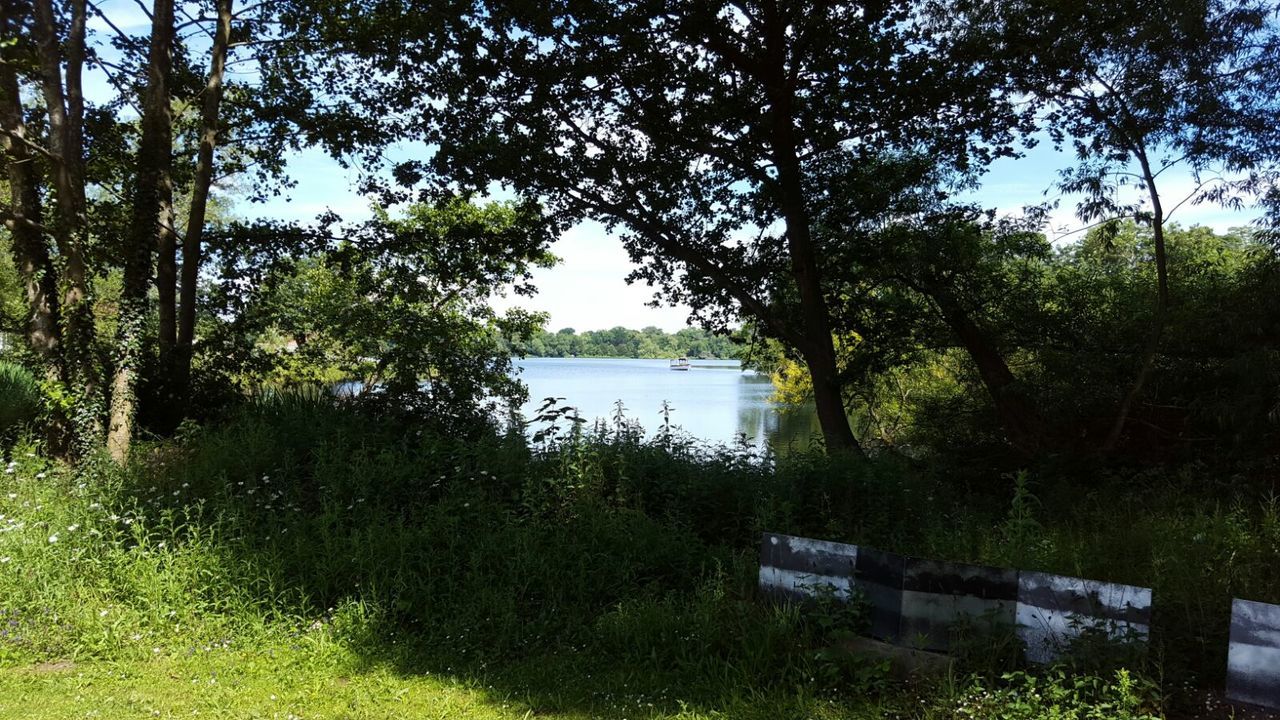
x: 715, y: 400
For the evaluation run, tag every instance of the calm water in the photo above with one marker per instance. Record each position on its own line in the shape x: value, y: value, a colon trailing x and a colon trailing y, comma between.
x: 715, y: 400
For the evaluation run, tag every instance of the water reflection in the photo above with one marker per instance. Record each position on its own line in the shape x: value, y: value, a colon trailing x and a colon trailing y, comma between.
x: 714, y: 401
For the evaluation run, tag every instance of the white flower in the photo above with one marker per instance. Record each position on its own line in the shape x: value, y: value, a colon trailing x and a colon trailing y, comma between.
x: 39, y: 476
x: 5, y: 559
x: 73, y: 528
x: 102, y: 613
x: 53, y: 538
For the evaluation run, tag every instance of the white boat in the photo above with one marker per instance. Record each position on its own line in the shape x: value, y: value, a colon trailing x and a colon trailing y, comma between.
x: 680, y: 364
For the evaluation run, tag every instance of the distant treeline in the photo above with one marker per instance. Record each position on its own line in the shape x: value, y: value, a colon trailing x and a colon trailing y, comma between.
x: 650, y: 342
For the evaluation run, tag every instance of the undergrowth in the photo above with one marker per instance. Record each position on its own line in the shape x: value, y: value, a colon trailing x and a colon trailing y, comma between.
x: 591, y: 572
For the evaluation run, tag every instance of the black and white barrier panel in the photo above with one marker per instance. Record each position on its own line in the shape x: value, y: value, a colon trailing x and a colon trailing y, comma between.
x: 796, y: 568
x: 878, y: 579
x: 1253, y: 660
x: 923, y: 603
x: 1055, y: 610
x: 941, y: 599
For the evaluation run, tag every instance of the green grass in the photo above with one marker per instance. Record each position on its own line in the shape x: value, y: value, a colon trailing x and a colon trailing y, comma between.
x: 305, y: 559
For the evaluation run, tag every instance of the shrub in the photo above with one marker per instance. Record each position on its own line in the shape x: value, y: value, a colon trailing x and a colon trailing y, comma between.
x: 19, y: 399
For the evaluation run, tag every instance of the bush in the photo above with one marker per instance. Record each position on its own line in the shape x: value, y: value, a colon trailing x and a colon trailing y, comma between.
x: 19, y: 399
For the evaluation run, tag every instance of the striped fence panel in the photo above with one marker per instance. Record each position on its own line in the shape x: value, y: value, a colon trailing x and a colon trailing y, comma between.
x: 1253, y: 659
x: 923, y: 603
x: 1053, y: 611
x: 940, y: 599
x: 795, y: 568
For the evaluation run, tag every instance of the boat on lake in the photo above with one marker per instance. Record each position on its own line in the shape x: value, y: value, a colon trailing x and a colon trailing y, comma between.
x: 681, y: 363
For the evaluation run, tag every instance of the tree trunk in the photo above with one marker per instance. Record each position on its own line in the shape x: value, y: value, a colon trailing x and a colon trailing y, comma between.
x: 191, y: 243
x: 30, y: 251
x: 1152, y: 347
x: 64, y: 103
x: 31, y: 254
x: 1023, y: 425
x: 818, y: 350
x: 152, y: 226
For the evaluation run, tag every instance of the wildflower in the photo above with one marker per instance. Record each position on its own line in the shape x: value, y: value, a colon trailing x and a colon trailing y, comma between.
x: 39, y: 476
x: 102, y: 613
x: 5, y: 559
x: 53, y: 538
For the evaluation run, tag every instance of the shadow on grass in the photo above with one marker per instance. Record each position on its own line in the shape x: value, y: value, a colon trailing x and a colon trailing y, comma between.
x: 611, y: 576
x: 599, y: 578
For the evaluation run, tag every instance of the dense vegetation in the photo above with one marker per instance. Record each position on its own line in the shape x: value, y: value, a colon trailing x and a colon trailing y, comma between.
x: 590, y: 575
x: 1071, y: 320
x: 181, y: 506
x: 620, y: 342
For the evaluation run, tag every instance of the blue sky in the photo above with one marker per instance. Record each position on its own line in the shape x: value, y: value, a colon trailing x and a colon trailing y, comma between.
x: 587, y: 290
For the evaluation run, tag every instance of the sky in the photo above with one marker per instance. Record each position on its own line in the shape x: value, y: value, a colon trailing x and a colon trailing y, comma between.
x: 587, y: 289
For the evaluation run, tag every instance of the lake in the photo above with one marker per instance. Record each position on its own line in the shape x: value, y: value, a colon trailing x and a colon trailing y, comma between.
x: 715, y: 400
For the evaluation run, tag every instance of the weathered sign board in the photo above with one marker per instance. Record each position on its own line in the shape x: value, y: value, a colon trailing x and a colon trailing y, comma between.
x: 1253, y: 658
x: 1053, y: 611
x: 797, y: 568
x: 940, y: 599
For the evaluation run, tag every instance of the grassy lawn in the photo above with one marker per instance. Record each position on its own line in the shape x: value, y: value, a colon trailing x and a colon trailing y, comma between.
x: 319, y: 679
x: 250, y: 683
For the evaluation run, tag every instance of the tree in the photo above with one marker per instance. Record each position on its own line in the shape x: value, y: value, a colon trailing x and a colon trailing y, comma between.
x: 151, y: 227
x: 49, y: 51
x: 689, y: 128
x: 401, y: 304
x: 113, y: 201
x: 1136, y: 87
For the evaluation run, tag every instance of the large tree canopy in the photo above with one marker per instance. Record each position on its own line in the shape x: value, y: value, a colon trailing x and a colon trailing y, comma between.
x: 690, y: 129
